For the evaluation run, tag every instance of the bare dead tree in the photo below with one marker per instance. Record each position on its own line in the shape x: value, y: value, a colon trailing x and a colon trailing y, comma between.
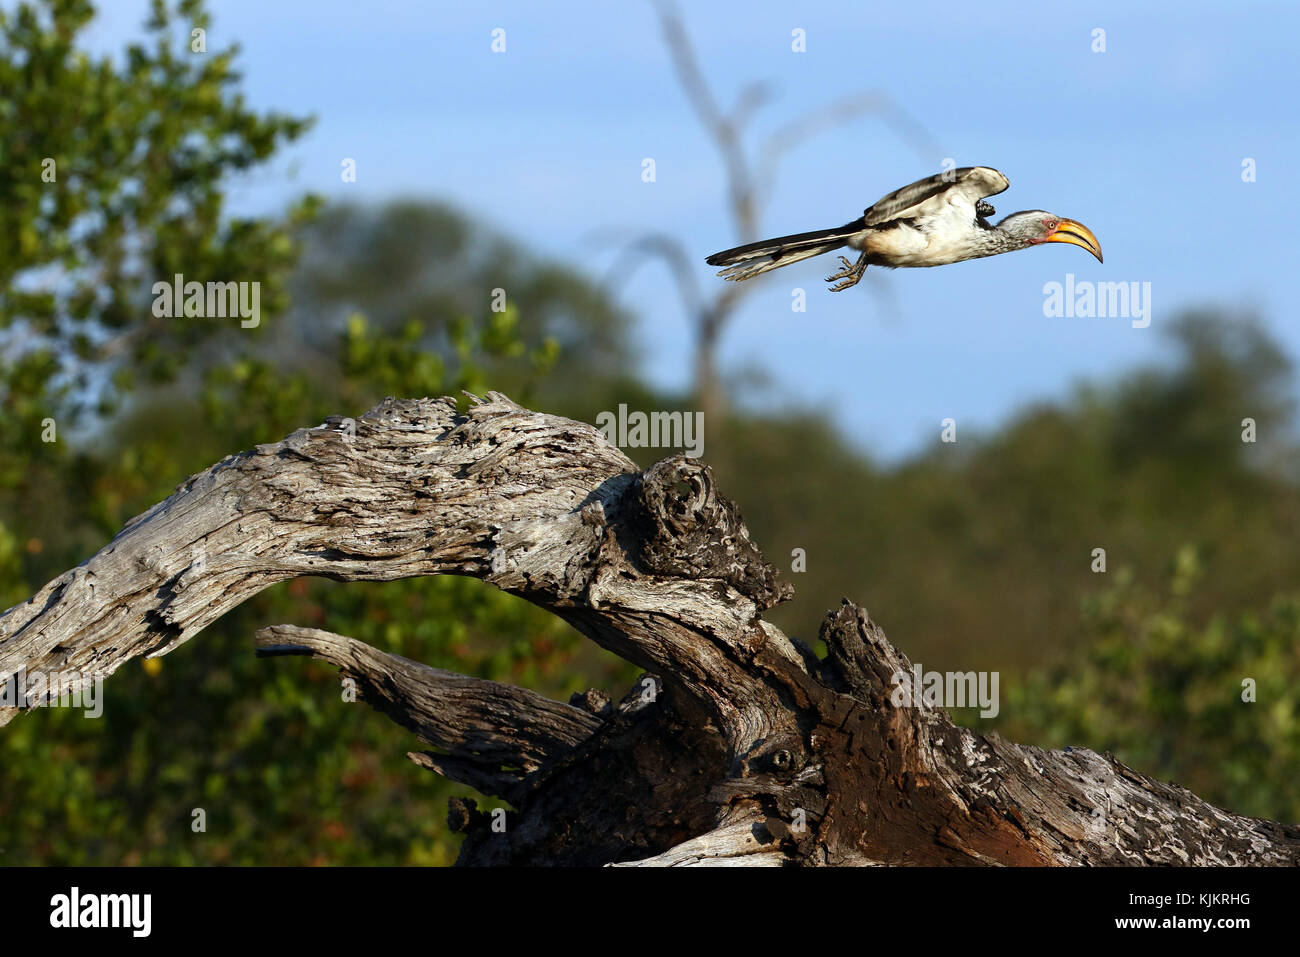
x: 739, y: 746
x: 751, y: 177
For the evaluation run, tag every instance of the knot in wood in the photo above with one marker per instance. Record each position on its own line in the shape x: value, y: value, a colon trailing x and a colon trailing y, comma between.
x: 782, y: 758
x: 693, y: 532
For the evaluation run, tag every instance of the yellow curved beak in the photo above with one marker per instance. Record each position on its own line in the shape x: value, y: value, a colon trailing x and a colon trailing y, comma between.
x: 1076, y: 234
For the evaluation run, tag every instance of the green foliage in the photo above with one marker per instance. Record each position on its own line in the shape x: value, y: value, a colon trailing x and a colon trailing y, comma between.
x: 418, y: 258
x: 1167, y: 692
x: 977, y: 555
x: 114, y: 179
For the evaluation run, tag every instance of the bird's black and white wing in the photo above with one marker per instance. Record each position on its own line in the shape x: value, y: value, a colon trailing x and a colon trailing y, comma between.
x: 957, y: 187
x: 932, y: 222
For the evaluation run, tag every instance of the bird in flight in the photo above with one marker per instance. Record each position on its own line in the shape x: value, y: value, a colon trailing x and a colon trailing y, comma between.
x: 938, y: 220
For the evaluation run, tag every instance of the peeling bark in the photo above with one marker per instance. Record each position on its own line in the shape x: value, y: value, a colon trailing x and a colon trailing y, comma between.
x: 738, y: 747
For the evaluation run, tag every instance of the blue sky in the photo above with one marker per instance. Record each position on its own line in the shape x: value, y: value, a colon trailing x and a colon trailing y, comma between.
x: 1144, y: 143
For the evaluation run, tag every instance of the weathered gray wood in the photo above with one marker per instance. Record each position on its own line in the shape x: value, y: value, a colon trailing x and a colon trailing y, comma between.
x: 504, y: 733
x: 739, y: 747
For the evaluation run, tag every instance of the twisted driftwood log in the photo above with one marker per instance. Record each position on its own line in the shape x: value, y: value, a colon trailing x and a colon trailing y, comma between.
x: 739, y: 746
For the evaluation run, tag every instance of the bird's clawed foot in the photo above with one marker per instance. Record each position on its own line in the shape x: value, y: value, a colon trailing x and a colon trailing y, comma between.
x: 849, y: 275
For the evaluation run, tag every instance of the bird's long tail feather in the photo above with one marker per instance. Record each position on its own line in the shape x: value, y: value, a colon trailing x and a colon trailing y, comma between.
x: 753, y: 259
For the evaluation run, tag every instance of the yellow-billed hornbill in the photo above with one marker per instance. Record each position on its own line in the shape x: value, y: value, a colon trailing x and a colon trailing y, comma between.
x: 933, y: 222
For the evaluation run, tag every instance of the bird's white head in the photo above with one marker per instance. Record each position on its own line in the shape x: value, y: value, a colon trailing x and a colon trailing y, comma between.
x: 1035, y: 226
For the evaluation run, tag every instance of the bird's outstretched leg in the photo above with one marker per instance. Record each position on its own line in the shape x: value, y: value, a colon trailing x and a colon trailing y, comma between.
x: 849, y: 275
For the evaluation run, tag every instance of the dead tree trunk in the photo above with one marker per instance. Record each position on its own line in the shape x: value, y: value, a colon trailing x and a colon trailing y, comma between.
x: 739, y: 746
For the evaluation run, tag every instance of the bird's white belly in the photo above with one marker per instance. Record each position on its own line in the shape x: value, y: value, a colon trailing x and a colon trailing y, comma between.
x: 897, y: 246
x: 945, y: 237
x: 905, y: 246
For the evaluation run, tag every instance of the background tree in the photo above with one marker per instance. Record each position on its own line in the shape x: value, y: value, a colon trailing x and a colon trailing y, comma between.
x: 750, y: 178
x: 115, y: 178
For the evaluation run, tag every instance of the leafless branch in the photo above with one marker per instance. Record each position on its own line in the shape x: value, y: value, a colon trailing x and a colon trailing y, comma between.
x: 750, y: 184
